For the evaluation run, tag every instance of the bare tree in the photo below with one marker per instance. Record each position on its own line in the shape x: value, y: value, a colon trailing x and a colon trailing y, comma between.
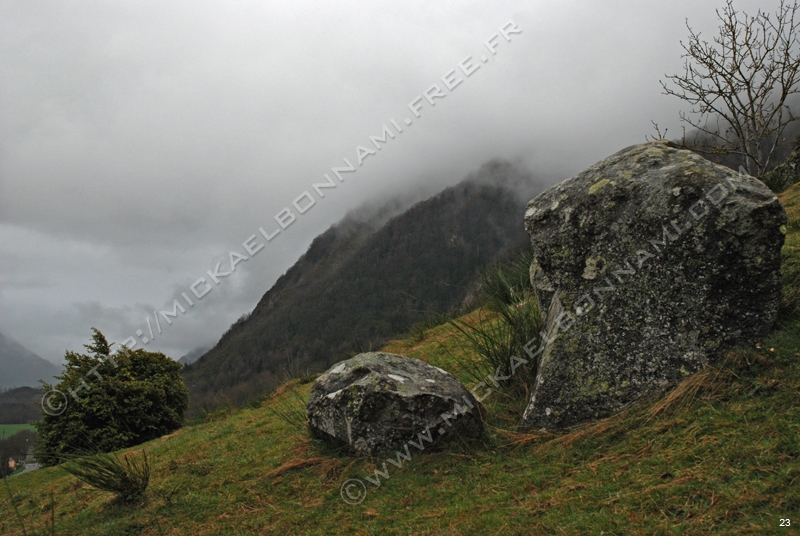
x: 738, y: 85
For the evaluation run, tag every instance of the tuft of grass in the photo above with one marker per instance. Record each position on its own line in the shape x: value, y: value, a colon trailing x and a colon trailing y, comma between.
x: 507, y: 321
x: 791, y: 202
x: 124, y: 476
x: 289, y: 405
x: 504, y: 282
x: 495, y: 337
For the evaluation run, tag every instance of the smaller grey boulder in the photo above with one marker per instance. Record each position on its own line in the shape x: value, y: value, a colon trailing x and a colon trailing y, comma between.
x: 378, y: 402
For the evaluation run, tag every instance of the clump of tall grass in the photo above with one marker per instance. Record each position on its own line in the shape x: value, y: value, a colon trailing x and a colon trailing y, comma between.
x: 124, y: 476
x: 506, y: 322
x: 503, y: 283
x: 290, y: 406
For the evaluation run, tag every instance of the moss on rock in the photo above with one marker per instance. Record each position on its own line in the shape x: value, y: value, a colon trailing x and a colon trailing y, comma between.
x: 646, y: 275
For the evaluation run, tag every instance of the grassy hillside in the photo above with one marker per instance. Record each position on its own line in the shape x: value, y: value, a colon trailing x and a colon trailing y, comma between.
x: 719, y: 455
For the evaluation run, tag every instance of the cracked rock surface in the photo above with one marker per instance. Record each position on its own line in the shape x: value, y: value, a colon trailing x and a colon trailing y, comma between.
x: 377, y: 402
x: 647, y: 266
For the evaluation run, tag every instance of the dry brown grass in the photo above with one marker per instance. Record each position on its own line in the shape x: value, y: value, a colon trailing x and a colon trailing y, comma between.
x: 517, y: 440
x: 303, y: 456
x: 685, y: 393
x: 296, y: 463
x: 589, y: 430
x: 703, y: 383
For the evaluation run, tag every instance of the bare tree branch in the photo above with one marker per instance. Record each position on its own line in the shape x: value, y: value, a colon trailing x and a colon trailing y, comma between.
x: 737, y: 85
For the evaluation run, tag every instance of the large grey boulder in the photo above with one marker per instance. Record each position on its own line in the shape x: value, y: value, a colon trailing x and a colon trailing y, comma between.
x: 648, y: 265
x: 377, y: 402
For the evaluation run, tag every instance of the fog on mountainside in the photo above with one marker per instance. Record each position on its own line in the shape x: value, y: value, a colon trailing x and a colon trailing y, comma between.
x: 193, y: 355
x: 361, y: 282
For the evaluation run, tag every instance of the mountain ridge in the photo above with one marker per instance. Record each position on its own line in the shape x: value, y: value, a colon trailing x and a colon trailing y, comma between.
x: 22, y: 368
x: 360, y: 283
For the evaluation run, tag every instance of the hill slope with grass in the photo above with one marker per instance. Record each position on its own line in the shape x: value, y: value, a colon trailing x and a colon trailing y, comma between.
x: 718, y: 455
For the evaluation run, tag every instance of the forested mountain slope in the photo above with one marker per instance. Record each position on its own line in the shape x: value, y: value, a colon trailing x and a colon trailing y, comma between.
x: 358, y: 285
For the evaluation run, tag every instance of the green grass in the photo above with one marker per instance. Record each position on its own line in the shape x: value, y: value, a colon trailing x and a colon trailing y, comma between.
x: 7, y: 430
x: 719, y: 455
x: 126, y: 476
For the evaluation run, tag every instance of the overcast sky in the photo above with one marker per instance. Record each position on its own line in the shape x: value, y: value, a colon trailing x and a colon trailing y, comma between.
x: 142, y: 142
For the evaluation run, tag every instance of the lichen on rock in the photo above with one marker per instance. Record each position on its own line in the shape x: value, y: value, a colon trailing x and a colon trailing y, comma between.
x: 645, y: 279
x: 376, y: 402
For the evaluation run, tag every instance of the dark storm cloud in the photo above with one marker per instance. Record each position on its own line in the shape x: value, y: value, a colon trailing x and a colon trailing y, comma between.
x: 142, y: 142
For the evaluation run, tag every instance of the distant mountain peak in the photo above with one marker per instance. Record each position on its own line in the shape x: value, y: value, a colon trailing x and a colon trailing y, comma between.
x: 193, y: 355
x: 19, y: 367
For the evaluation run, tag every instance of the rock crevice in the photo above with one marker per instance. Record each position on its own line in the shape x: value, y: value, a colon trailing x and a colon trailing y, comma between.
x: 648, y: 265
x: 376, y: 402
